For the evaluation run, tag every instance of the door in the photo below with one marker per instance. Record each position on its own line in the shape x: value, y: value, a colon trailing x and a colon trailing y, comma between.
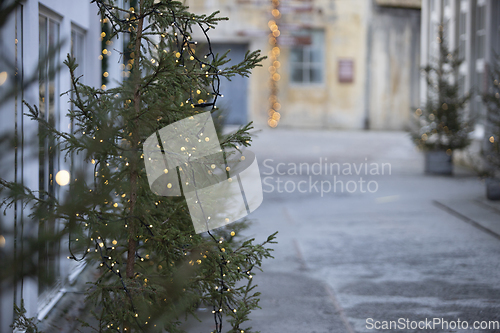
x: 235, y: 92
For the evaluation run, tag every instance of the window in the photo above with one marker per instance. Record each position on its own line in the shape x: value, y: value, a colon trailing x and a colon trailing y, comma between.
x: 480, y: 52
x: 77, y: 47
x: 77, y: 51
x: 306, y: 61
x: 447, y: 22
x: 480, y: 30
x: 433, y: 44
x: 495, y: 26
x: 462, y: 34
x: 48, y: 107
x: 478, y: 106
x: 432, y: 5
x: 461, y: 84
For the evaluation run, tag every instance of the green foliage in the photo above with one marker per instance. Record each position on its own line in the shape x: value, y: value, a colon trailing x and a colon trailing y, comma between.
x: 442, y: 124
x: 153, y: 268
x: 6, y: 9
x: 22, y: 322
x: 491, y: 99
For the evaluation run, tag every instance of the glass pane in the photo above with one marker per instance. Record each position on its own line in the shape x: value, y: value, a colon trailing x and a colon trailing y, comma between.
x: 461, y: 48
x: 497, y: 34
x: 42, y: 76
x: 297, y: 75
x: 73, y: 37
x: 481, y: 17
x: 53, y: 41
x: 296, y: 54
x: 316, y: 75
x: 48, y: 103
x: 77, y: 53
x: 446, y: 31
x: 461, y: 84
x: 53, y: 94
x: 43, y: 68
x: 77, y: 50
x: 317, y: 40
x: 480, y: 82
x: 480, y: 110
x: 315, y: 55
x: 480, y: 46
x: 432, y: 41
x: 462, y: 22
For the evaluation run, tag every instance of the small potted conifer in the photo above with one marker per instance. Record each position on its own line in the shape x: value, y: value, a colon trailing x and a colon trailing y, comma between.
x: 491, y: 150
x: 442, y: 124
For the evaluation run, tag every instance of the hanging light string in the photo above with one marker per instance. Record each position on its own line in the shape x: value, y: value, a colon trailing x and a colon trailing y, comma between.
x: 215, y: 84
x: 105, y: 251
x: 274, y: 104
x: 108, y: 259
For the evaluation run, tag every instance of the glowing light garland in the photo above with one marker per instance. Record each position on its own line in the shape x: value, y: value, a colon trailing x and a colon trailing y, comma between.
x: 275, y: 106
x: 107, y: 252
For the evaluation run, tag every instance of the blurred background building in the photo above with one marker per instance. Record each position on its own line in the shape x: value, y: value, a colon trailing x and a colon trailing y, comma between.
x: 341, y: 64
x: 473, y: 28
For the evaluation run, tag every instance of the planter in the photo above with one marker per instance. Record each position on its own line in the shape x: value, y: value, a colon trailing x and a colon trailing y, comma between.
x: 493, y: 189
x: 438, y: 162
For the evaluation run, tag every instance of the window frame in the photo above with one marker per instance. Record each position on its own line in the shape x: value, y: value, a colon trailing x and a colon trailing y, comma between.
x: 479, y: 58
x: 306, y: 64
x: 48, y: 290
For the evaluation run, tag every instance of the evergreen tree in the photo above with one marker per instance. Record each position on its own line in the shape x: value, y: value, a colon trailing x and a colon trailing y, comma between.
x: 153, y: 267
x: 442, y: 124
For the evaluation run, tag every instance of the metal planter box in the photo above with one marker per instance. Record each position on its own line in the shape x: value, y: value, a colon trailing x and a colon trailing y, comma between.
x: 493, y: 189
x: 438, y: 162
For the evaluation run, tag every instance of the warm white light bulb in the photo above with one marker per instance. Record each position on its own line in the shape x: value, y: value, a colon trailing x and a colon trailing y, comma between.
x: 62, y: 178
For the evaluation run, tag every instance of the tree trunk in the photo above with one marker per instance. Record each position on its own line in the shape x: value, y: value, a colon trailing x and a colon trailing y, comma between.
x: 132, y: 222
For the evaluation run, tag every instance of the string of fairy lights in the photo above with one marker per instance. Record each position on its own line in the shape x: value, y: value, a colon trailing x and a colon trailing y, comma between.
x: 274, y: 115
x: 274, y: 104
x: 184, y: 54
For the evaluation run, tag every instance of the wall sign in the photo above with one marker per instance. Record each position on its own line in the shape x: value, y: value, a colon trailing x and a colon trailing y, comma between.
x: 346, y: 71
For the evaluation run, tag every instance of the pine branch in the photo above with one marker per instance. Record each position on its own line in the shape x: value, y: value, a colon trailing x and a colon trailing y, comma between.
x: 22, y: 322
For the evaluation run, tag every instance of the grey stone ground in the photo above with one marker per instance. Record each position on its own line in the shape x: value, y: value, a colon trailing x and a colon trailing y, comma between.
x: 416, y: 248
x: 413, y: 250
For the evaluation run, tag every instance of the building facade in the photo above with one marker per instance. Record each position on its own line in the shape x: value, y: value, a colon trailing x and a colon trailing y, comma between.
x: 347, y: 64
x: 473, y: 28
x: 35, y: 39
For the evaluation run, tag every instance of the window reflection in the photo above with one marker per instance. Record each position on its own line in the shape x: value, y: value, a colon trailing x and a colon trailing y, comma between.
x: 48, y: 105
